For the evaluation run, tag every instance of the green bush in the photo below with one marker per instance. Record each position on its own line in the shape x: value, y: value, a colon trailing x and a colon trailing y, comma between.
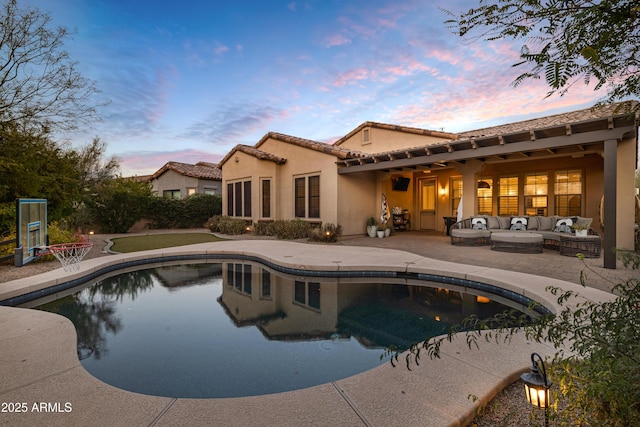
x: 192, y: 212
x: 227, y: 225
x: 117, y: 204
x: 290, y: 229
x: 58, y: 232
x: 7, y: 218
x: 326, y: 233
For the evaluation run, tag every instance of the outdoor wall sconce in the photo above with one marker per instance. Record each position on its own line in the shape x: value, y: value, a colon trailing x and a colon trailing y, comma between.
x: 536, y: 386
x: 443, y: 191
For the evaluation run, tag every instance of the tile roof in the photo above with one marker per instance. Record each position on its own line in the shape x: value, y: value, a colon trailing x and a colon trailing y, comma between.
x: 259, y: 154
x: 562, y: 119
x: 397, y: 128
x: 201, y: 170
x: 330, y: 149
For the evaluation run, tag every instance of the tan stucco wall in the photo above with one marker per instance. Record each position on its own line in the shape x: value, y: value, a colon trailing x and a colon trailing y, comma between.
x: 357, y: 195
x: 300, y: 162
x: 381, y: 140
x: 243, y: 167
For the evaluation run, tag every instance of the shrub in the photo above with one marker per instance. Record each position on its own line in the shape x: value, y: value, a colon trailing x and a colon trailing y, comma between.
x: 59, y: 232
x: 290, y: 229
x: 7, y: 218
x: 192, y: 212
x: 326, y: 233
x: 227, y: 225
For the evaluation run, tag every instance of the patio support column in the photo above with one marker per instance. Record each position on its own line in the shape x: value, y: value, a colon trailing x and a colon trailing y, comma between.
x: 469, y: 172
x: 610, y: 202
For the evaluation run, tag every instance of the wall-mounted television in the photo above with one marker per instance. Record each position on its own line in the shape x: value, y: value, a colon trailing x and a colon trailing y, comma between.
x: 400, y: 183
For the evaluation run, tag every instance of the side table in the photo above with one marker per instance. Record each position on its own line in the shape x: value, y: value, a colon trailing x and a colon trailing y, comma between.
x: 589, y: 246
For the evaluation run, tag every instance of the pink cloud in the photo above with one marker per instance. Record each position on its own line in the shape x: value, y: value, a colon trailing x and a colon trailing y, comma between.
x: 352, y: 76
x: 336, y: 40
x: 220, y: 49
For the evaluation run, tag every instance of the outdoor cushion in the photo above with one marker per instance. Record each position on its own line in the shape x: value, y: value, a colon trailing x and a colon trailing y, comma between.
x: 493, y: 223
x: 518, y: 223
x: 505, y: 222
x: 533, y: 223
x: 563, y: 225
x: 479, y: 223
x: 545, y: 223
x: 584, y: 222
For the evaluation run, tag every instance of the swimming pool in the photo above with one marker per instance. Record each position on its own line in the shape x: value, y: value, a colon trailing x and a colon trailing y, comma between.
x: 239, y: 328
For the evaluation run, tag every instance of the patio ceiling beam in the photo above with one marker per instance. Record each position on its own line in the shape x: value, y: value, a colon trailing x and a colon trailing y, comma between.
x: 553, y: 142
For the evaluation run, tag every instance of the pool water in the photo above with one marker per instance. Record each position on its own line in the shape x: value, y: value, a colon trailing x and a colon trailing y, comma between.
x: 237, y: 328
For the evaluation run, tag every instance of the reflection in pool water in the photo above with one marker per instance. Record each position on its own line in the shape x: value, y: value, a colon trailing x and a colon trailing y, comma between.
x: 236, y: 329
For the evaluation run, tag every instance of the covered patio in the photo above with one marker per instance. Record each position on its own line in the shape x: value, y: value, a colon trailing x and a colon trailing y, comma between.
x: 574, y: 164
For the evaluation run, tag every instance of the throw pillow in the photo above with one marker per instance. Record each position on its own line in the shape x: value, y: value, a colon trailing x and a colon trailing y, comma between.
x: 563, y: 225
x: 518, y: 223
x: 478, y: 223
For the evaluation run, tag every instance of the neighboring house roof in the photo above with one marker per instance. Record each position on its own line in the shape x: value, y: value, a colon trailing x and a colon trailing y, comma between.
x: 397, y: 128
x: 259, y: 154
x: 140, y: 178
x: 201, y: 170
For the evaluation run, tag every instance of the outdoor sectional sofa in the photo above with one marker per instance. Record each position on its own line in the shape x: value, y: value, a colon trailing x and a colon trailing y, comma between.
x: 477, y: 230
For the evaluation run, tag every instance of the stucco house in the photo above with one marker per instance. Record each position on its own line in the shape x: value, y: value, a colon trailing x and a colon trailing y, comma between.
x: 556, y: 165
x: 179, y: 180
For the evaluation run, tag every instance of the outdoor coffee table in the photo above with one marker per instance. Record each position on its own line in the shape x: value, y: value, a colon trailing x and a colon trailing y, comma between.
x: 521, y: 242
x: 571, y: 245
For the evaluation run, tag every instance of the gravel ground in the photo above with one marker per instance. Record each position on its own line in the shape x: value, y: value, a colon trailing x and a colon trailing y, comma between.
x: 509, y: 408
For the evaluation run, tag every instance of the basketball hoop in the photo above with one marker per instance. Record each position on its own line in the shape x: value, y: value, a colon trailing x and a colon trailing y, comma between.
x: 69, y: 254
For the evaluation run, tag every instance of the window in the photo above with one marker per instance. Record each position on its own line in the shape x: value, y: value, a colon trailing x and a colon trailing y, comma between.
x: 230, y: 199
x: 307, y: 294
x: 535, y: 193
x: 239, y: 277
x: 314, y: 196
x: 239, y: 199
x: 265, y: 289
x: 210, y: 191
x: 247, y: 198
x: 266, y: 198
x: 508, y: 195
x: 307, y: 197
x: 191, y: 191
x: 456, y: 194
x: 485, y: 197
x: 366, y: 135
x: 171, y: 194
x: 568, y: 192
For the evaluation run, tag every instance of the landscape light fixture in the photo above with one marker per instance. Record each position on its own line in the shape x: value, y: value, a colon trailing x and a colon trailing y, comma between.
x: 536, y: 386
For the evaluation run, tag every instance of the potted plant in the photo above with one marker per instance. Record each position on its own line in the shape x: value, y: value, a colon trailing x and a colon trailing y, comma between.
x: 580, y: 230
x: 387, y: 229
x: 380, y: 227
x: 371, y: 227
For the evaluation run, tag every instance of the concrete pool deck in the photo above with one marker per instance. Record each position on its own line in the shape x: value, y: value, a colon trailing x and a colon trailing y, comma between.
x: 40, y: 367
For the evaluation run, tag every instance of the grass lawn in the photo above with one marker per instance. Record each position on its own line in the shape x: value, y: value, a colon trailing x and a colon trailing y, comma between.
x: 159, y: 241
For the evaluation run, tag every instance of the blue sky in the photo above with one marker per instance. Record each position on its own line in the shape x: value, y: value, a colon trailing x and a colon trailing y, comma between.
x: 187, y: 81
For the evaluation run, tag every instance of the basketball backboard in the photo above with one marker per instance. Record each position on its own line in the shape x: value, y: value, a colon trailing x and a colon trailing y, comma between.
x: 31, y: 229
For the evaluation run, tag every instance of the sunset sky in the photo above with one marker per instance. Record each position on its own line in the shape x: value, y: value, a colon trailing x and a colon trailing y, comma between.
x: 186, y: 81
